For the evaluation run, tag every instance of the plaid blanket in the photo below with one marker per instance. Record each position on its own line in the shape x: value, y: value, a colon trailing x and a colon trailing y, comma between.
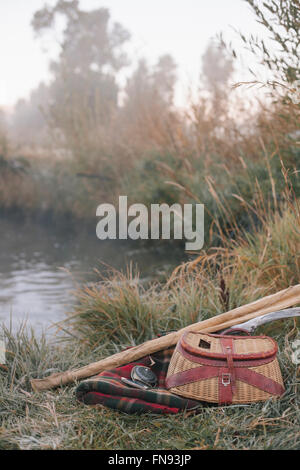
x: 108, y: 389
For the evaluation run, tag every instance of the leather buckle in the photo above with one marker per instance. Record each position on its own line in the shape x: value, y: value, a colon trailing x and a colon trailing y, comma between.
x: 226, y: 379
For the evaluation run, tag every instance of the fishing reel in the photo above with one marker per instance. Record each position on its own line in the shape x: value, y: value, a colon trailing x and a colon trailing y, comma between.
x: 141, y: 377
x: 144, y: 375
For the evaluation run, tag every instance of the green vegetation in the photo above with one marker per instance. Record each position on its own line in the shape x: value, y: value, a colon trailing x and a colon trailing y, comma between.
x: 247, y: 177
x: 116, y: 312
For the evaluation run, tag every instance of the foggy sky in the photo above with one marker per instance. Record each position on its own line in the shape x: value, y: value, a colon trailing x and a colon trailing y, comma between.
x: 179, y: 27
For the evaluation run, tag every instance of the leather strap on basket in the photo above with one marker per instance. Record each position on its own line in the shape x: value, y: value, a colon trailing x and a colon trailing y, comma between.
x: 227, y: 347
x: 225, y: 392
x: 225, y: 387
x: 260, y: 381
x: 191, y: 375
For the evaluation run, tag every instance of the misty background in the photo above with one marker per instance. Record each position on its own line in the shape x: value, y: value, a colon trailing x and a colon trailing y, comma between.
x: 165, y: 102
x: 172, y: 35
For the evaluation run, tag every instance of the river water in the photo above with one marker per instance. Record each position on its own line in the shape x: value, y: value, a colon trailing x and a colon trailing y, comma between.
x: 40, y: 267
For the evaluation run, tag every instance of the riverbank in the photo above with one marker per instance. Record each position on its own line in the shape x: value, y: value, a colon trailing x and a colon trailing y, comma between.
x: 118, y: 312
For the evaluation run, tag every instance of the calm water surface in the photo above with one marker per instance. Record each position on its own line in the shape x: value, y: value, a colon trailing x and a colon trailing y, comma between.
x: 40, y: 266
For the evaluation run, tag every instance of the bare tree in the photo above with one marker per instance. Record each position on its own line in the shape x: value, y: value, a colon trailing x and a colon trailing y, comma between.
x: 84, y: 92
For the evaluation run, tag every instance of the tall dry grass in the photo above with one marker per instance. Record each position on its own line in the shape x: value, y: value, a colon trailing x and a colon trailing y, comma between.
x: 247, y: 263
x: 211, y: 153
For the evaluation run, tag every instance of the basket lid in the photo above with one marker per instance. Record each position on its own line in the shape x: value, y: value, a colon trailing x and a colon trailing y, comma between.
x: 243, y: 347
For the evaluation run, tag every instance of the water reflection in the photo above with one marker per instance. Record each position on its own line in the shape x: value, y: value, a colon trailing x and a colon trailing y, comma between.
x: 32, y: 283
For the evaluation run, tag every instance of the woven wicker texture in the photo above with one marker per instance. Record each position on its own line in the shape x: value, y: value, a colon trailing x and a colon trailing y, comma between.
x: 208, y: 389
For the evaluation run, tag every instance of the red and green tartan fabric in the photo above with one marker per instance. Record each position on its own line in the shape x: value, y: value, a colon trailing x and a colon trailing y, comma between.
x: 107, y: 389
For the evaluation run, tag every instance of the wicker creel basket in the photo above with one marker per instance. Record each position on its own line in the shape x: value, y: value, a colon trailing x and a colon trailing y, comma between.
x: 225, y: 369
